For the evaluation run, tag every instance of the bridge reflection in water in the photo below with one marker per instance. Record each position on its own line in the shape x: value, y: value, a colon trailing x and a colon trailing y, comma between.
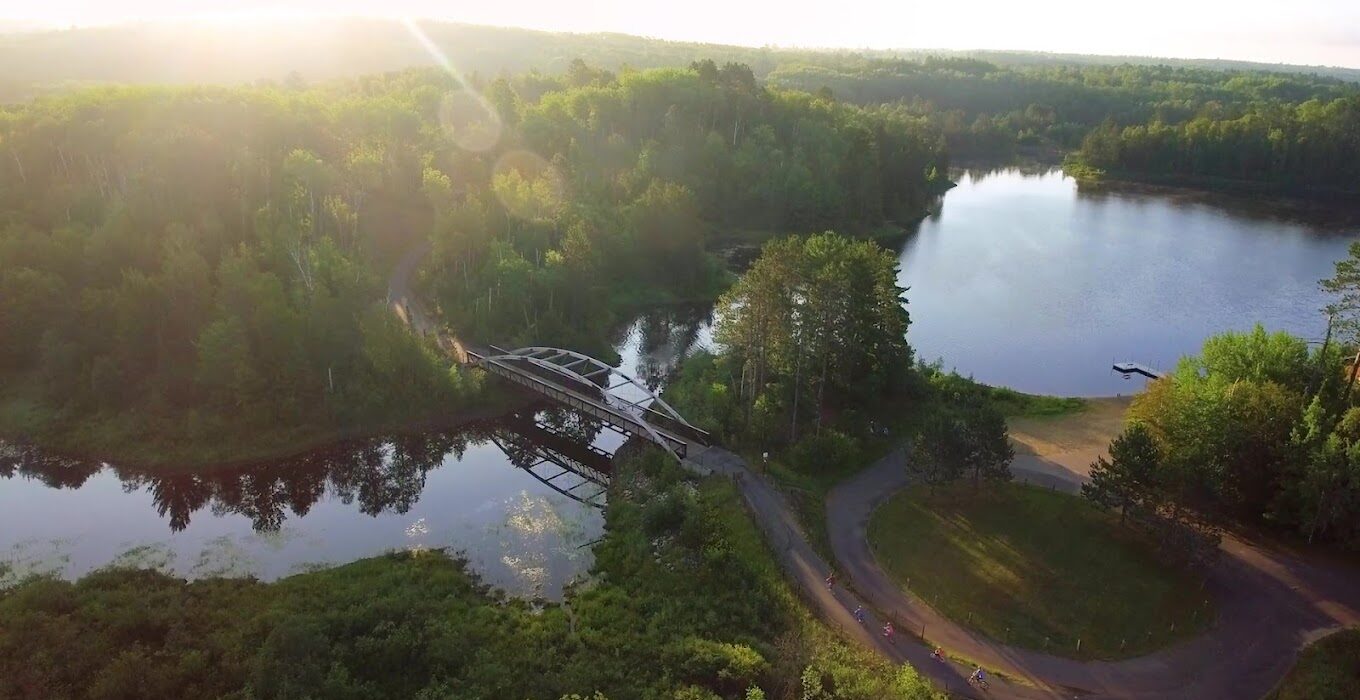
x: 567, y: 451
x: 565, y: 463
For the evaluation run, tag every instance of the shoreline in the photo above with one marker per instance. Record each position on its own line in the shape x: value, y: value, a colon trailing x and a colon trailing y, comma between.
x: 309, y: 442
x: 1326, y: 209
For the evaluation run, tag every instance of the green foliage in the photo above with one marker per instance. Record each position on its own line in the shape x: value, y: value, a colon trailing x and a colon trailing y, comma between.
x: 179, y: 263
x: 1256, y: 428
x: 828, y: 450
x: 1344, y: 287
x: 695, y: 607
x: 615, y: 187
x: 1128, y: 479
x: 1329, y: 669
x: 951, y: 387
x: 1152, y: 494
x: 815, y: 327
x: 1306, y: 148
x: 703, y: 392
x: 965, y: 438
x: 995, y: 107
x: 185, y: 266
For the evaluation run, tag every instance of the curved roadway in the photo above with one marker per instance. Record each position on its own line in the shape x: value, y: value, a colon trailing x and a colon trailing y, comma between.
x: 1270, y: 604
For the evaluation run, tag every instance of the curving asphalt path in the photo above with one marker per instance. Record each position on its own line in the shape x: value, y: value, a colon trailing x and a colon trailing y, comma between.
x: 1270, y: 604
x: 807, y: 570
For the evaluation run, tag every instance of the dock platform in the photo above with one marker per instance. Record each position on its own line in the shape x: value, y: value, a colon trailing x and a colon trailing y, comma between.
x: 1135, y: 368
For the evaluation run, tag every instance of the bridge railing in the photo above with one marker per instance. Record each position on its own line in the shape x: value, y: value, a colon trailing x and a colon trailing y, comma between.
x: 586, y: 384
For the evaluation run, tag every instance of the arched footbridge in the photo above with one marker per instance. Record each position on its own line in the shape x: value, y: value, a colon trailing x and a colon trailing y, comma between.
x: 594, y: 388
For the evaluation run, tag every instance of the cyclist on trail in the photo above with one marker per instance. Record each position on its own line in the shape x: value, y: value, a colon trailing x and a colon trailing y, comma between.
x: 831, y: 580
x: 859, y: 614
x: 938, y: 653
x: 888, y: 630
x: 979, y: 676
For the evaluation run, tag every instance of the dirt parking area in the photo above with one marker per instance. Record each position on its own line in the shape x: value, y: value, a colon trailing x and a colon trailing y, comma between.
x: 1065, y: 446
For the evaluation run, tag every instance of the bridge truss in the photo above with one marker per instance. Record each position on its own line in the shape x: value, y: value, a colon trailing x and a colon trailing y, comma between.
x: 597, y: 389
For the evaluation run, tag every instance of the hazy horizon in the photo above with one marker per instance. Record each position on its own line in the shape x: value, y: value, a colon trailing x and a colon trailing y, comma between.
x: 1315, y: 32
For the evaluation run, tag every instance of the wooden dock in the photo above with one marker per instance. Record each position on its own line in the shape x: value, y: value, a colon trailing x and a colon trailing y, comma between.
x: 1127, y: 368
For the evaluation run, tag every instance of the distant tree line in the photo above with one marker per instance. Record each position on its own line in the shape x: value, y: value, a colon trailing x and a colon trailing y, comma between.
x: 1290, y: 131
x: 1312, y: 147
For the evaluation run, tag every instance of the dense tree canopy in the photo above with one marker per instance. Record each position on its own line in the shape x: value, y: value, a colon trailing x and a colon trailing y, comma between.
x: 816, y: 326
x: 616, y: 188
x: 193, y: 260
x: 1311, y: 147
x: 184, y: 262
x: 988, y: 108
x: 1257, y: 428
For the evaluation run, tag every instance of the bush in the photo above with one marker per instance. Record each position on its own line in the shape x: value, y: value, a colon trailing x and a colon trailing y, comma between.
x: 727, y: 667
x: 825, y: 450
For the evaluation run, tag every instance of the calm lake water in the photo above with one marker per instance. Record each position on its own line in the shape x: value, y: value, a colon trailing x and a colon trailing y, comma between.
x: 1020, y: 280
x: 465, y: 491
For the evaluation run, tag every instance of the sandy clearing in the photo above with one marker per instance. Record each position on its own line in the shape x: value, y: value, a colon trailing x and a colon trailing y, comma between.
x: 1065, y: 446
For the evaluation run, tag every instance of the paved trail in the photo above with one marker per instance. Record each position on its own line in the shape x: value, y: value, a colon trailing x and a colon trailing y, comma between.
x: 808, y: 571
x: 1270, y: 604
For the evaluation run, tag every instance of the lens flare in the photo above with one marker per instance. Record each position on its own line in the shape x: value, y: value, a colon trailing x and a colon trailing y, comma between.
x: 468, y: 118
x: 470, y: 121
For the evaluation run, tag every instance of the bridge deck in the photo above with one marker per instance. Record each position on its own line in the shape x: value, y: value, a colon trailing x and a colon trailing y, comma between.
x: 582, y: 401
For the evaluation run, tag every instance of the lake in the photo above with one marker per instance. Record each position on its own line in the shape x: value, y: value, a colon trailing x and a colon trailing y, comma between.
x: 1021, y: 280
x: 479, y: 492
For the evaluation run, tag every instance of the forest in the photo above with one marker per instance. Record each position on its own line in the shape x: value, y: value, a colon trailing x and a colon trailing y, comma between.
x: 182, y: 264
x: 199, y: 262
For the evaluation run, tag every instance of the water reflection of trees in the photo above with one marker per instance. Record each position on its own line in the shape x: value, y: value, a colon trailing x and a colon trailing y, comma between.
x: 383, y: 474
x: 1326, y: 218
x: 53, y: 470
x: 380, y: 474
x: 664, y: 337
x: 979, y: 173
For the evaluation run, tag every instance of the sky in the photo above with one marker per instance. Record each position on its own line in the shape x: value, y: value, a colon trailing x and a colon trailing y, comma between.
x: 1309, y: 32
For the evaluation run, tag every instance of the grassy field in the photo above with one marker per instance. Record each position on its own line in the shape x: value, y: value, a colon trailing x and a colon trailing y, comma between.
x: 1037, y: 569
x: 1329, y: 669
